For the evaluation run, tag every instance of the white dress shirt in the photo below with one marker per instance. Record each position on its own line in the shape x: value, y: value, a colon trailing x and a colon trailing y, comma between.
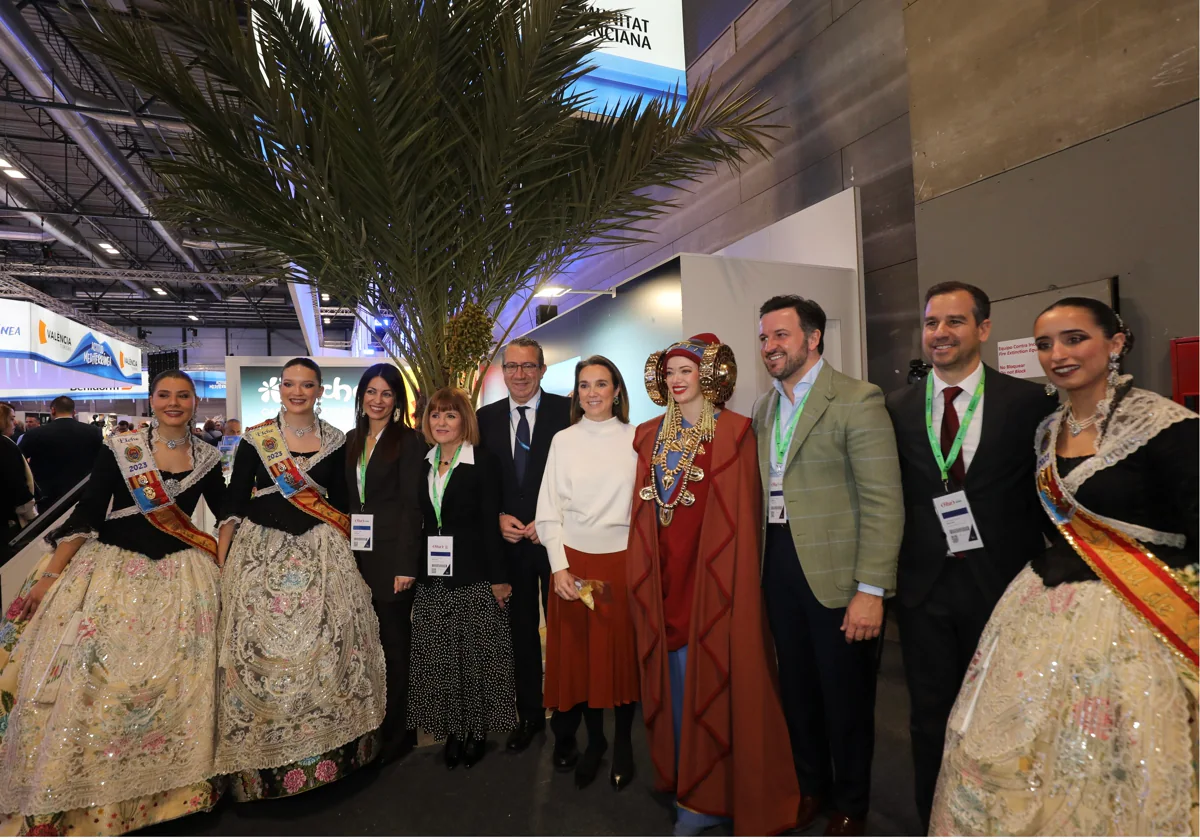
x: 466, y: 456
x: 785, y: 408
x: 970, y: 443
x: 514, y: 417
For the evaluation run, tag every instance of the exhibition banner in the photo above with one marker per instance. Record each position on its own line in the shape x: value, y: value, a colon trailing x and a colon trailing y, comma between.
x: 29, y: 331
x: 642, y: 53
x: 260, y: 401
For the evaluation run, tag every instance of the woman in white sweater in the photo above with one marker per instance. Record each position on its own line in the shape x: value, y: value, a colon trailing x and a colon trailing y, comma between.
x: 583, y: 521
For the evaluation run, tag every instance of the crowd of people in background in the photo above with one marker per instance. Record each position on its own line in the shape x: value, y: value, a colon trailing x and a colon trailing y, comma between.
x: 726, y: 574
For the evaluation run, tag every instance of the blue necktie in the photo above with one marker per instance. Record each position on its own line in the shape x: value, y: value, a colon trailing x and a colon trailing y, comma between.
x: 521, y: 451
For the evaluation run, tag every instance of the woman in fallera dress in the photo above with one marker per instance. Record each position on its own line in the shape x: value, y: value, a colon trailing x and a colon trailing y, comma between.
x: 108, y: 704
x: 1077, y: 714
x: 300, y: 669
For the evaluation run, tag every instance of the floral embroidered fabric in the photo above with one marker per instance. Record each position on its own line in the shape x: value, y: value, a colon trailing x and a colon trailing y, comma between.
x: 300, y: 667
x: 115, y: 697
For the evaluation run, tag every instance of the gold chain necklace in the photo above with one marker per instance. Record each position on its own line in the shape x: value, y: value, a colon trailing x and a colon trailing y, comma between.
x: 672, y: 437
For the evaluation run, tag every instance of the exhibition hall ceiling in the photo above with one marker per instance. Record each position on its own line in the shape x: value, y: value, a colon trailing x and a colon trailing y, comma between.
x: 75, y: 182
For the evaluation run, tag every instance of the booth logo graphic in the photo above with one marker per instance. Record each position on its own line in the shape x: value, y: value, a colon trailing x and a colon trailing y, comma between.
x: 270, y: 390
x: 9, y: 329
x: 46, y: 334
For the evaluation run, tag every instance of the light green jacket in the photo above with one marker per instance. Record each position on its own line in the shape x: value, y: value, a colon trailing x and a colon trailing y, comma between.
x: 841, y: 486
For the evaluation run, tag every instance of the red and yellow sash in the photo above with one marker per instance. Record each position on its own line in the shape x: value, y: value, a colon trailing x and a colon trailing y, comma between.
x: 271, y: 444
x: 135, y: 458
x: 1147, y: 585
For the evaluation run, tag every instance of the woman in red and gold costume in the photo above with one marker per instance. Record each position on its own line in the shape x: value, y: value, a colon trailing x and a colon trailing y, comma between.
x: 714, y: 720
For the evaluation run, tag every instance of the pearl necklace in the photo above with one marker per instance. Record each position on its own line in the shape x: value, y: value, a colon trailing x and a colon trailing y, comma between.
x: 1076, y: 427
x: 301, y: 432
x: 175, y: 443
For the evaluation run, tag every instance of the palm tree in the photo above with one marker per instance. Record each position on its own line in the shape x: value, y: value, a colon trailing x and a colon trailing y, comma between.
x: 425, y: 160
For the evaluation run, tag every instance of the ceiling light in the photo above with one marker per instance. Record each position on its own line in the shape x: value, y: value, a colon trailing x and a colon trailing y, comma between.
x: 107, y: 247
x: 325, y: 297
x: 551, y: 292
x: 15, y: 174
x: 159, y: 291
x: 328, y: 321
x: 5, y: 164
x: 193, y: 318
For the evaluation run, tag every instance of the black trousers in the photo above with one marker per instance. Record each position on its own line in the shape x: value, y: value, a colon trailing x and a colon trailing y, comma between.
x: 938, y: 638
x: 827, y: 685
x: 530, y: 572
x: 395, y: 634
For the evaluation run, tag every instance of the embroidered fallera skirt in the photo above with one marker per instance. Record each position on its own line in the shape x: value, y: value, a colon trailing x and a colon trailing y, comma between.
x: 107, y: 696
x: 1073, y: 720
x: 300, y: 670
x: 461, y: 665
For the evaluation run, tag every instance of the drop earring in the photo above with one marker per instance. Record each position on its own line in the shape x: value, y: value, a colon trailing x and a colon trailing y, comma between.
x: 1114, y: 368
x: 396, y: 416
x: 317, y: 409
x: 1050, y: 390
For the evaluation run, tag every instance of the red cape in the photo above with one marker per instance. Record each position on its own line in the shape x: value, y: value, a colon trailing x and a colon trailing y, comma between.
x: 735, y: 757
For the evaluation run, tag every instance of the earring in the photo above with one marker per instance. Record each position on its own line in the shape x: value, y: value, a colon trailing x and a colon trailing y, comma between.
x: 396, y: 416
x: 1050, y: 390
x: 154, y: 422
x: 317, y: 409
x: 1114, y: 368
x: 283, y: 408
x: 617, y: 399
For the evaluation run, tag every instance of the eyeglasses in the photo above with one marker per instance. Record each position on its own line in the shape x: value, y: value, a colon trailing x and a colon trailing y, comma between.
x: 513, y: 367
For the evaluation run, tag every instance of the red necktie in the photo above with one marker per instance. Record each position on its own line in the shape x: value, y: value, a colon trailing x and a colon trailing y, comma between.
x: 958, y: 472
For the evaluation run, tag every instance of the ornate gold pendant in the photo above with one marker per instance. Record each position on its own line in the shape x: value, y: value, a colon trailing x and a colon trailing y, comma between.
x: 665, y: 515
x: 687, y: 498
x: 646, y: 494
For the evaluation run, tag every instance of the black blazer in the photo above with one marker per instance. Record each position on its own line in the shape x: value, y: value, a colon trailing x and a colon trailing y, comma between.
x: 999, y: 485
x: 470, y: 514
x: 395, y: 481
x: 60, y: 454
x: 520, y: 500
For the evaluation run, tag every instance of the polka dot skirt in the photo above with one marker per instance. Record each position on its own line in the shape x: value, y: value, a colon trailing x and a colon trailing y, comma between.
x: 461, y: 666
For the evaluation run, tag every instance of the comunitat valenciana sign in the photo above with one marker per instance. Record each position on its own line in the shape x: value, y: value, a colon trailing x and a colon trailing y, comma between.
x: 642, y: 53
x: 29, y: 331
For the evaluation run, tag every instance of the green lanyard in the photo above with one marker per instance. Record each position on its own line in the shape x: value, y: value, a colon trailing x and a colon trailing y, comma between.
x: 362, y: 477
x: 436, y: 494
x: 945, y: 462
x: 783, y: 445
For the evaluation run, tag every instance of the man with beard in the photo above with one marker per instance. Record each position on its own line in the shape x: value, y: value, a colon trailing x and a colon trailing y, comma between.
x: 947, y: 591
x: 834, y: 516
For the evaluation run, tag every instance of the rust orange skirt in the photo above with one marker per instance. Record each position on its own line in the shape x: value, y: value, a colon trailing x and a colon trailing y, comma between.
x: 591, y: 656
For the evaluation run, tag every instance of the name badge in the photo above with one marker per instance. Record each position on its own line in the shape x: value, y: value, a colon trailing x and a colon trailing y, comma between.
x: 958, y: 523
x: 776, y: 513
x: 362, y: 531
x: 439, y: 556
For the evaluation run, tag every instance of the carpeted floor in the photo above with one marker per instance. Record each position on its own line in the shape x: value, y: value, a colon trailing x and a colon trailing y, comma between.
x: 522, y: 795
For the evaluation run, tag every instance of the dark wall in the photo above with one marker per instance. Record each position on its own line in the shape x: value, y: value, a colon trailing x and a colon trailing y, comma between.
x: 1124, y: 204
x: 705, y: 20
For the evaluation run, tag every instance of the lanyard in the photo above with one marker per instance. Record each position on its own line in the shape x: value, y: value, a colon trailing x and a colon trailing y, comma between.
x: 782, y: 446
x: 945, y: 462
x: 435, y: 495
x: 362, y: 472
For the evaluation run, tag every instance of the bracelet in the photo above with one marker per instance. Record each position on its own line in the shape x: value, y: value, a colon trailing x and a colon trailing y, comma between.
x: 51, y: 575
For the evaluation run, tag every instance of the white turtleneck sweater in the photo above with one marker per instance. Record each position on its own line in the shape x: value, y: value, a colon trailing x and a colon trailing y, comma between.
x: 587, y: 490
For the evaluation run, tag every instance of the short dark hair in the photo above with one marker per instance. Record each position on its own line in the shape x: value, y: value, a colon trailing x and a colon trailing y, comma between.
x: 1105, y: 316
x: 620, y: 409
x: 62, y: 406
x: 810, y: 313
x: 982, y: 310
x: 305, y: 363
x: 526, y: 341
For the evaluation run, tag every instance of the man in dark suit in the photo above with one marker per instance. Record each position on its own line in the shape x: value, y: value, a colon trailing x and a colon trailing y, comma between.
x: 517, y: 430
x: 61, y: 453
x: 983, y: 423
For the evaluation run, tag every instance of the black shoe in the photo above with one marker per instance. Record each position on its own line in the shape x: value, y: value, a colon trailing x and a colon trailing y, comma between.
x: 523, y: 735
x: 566, y: 755
x: 589, y: 765
x: 623, y: 769
x: 473, y: 751
x: 453, y: 753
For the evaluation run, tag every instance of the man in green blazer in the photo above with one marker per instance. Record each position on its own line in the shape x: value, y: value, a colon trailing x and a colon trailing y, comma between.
x: 831, y: 535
